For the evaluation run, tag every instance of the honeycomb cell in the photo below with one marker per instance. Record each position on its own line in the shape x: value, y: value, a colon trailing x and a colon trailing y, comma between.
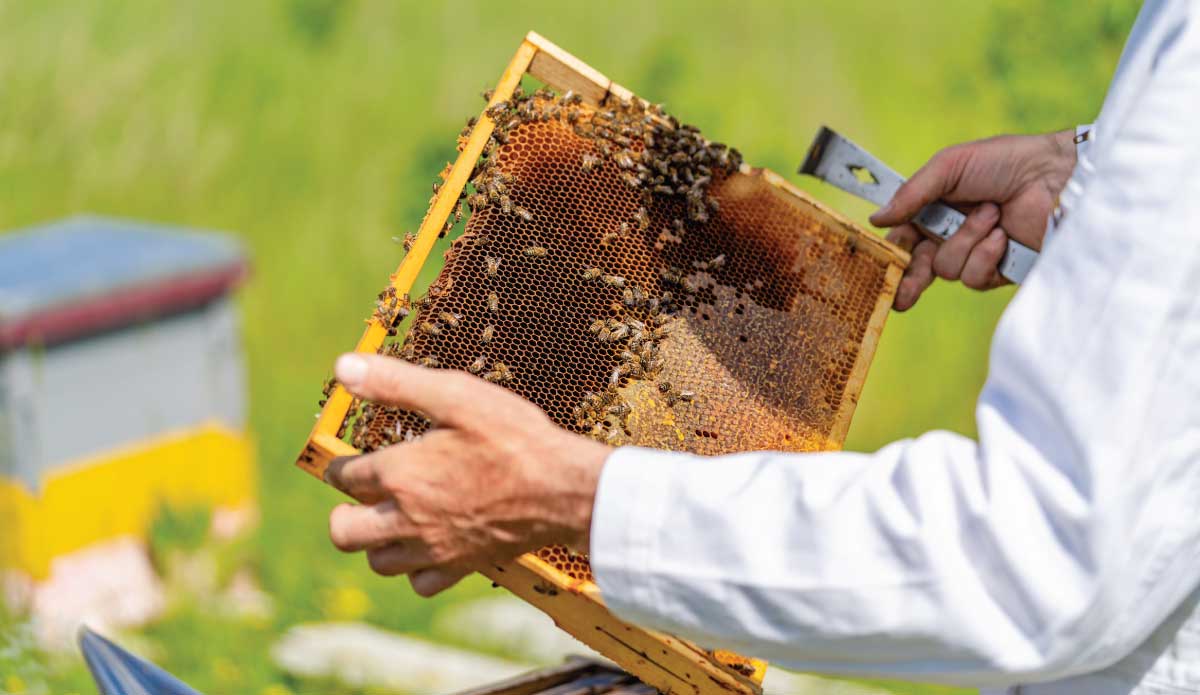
x: 640, y: 287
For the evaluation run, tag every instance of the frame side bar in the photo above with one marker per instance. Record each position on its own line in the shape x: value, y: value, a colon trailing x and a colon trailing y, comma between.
x: 314, y: 458
x: 866, y: 352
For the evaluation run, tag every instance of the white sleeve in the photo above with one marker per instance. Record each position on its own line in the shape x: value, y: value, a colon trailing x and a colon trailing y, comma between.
x: 1052, y: 546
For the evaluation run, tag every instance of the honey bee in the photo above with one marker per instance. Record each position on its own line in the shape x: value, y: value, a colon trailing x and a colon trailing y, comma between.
x: 487, y: 94
x: 627, y: 297
x: 589, y: 162
x: 493, y: 302
x: 429, y: 328
x: 430, y: 361
x: 608, y: 238
x: 535, y: 251
x: 498, y: 109
x: 624, y: 229
x: 477, y: 201
x: 523, y: 213
x: 493, y: 266
x: 597, y: 325
x: 664, y: 386
x: 631, y: 180
x: 620, y: 410
x: 478, y: 365
x: 613, y: 281
x: 590, y: 274
x: 711, y: 264
x: 643, y: 219
x: 663, y: 189
x: 450, y: 319
x: 687, y: 396
x: 506, y: 204
x: 409, y: 240
x: 500, y: 373
x: 672, y: 275
x: 623, y: 160
x: 488, y: 333
x: 618, y: 332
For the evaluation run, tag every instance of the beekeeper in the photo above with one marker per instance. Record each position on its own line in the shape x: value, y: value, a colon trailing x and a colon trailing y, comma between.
x: 1060, y: 551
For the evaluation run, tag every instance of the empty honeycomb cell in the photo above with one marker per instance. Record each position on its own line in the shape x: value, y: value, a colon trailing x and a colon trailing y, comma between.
x: 736, y: 313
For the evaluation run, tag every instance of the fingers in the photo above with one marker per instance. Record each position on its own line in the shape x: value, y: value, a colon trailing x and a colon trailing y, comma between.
x: 445, y: 396
x: 354, y: 527
x: 399, y: 558
x: 357, y: 476
x: 980, y: 270
x: 938, y: 177
x: 952, y: 255
x: 917, y: 277
x: 905, y: 236
x: 435, y: 580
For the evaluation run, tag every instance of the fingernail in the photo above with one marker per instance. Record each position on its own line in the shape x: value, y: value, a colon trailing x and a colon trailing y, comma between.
x: 881, y: 212
x: 350, y: 369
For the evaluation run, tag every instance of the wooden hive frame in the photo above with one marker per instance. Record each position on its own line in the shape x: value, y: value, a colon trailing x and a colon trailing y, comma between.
x: 670, y: 664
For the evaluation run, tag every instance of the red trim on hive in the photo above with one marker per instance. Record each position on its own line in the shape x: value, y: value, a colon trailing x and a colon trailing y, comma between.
x: 121, y: 307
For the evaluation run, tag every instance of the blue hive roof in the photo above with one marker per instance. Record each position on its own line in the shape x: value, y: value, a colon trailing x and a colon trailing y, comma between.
x: 76, y: 263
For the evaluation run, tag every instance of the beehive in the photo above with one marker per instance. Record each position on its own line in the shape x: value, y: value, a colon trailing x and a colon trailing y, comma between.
x: 642, y: 286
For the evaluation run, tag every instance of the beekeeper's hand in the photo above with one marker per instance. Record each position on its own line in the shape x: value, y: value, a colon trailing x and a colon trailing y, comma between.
x: 492, y: 479
x: 1008, y: 184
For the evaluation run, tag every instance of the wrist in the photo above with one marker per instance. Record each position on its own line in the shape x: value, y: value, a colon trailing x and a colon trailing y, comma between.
x: 1062, y: 145
x: 578, y: 464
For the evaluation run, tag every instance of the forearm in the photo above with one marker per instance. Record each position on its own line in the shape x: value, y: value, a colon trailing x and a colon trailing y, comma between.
x: 890, y: 564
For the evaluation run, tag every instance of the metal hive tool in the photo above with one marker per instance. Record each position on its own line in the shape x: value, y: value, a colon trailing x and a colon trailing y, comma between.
x: 643, y: 287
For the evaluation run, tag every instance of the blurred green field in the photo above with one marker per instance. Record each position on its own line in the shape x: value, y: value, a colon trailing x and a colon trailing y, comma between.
x: 312, y: 129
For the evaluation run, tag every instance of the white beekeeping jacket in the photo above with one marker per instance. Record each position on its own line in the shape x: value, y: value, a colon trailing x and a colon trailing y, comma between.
x: 1059, y: 553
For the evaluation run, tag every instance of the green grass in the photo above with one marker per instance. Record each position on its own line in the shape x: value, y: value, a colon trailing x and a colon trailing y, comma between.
x: 312, y: 129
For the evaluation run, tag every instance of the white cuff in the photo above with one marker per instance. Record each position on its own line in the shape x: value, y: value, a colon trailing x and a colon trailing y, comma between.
x: 632, y: 500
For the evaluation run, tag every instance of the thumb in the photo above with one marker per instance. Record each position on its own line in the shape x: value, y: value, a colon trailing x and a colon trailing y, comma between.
x: 446, y: 396
x: 931, y: 182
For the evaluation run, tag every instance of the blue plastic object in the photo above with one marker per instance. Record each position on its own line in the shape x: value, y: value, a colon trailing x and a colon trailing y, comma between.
x: 117, y: 672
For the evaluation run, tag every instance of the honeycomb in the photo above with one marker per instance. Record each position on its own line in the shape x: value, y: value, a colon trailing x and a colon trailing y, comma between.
x: 643, y: 288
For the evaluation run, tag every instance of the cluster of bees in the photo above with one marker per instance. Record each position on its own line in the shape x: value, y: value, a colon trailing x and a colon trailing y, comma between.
x: 655, y: 154
x: 634, y: 335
